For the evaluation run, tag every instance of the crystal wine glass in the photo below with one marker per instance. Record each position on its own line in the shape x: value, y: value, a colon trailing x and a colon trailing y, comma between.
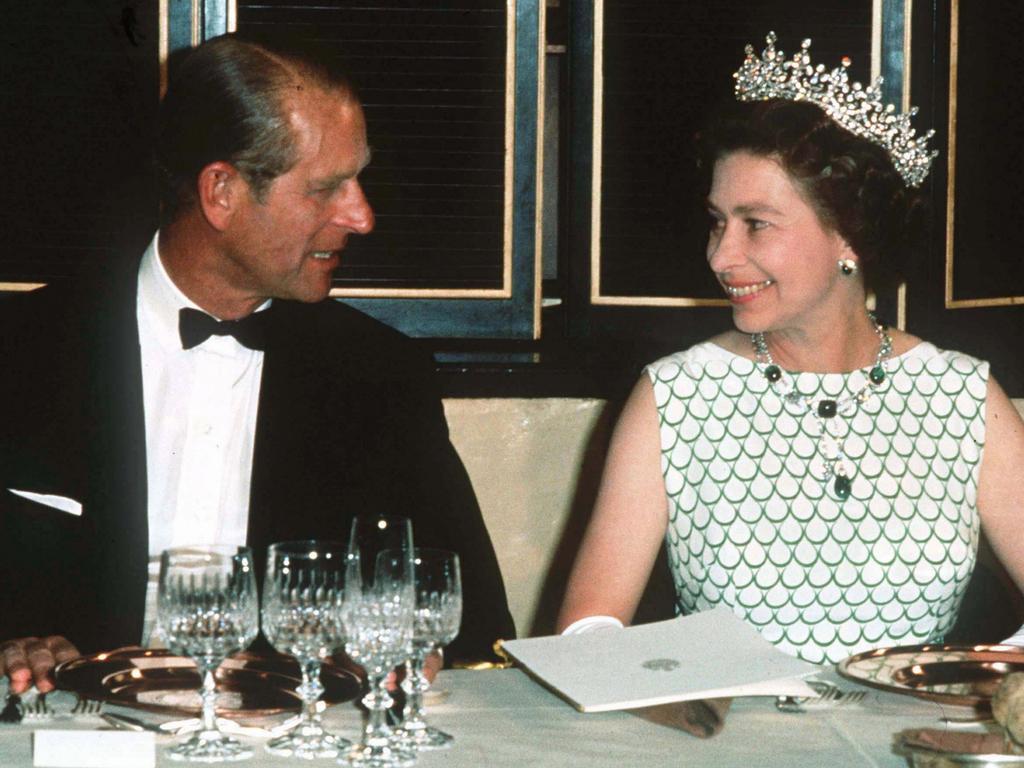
x: 436, y: 623
x: 372, y: 534
x: 302, y: 597
x: 207, y: 608
x: 378, y: 623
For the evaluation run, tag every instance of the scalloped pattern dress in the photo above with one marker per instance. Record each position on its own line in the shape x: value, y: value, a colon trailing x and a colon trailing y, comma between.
x: 752, y: 526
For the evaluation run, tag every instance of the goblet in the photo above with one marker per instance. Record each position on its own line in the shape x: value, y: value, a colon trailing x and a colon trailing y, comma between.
x: 207, y: 608
x: 378, y: 621
x: 372, y: 534
x: 435, y: 624
x: 302, y: 597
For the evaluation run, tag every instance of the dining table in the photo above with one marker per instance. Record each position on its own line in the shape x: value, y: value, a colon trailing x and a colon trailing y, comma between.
x: 503, y: 717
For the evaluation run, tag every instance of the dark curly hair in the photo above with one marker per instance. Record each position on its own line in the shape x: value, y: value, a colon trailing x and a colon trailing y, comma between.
x: 227, y: 101
x: 849, y: 181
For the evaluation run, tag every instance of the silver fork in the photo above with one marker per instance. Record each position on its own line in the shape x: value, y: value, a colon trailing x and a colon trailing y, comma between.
x: 86, y: 706
x: 38, y: 709
x: 829, y: 697
x: 836, y: 697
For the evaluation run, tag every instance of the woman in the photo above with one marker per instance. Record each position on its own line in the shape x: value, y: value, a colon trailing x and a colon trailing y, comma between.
x: 821, y: 475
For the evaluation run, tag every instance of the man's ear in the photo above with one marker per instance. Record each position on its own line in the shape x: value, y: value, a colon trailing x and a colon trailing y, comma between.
x: 221, y: 189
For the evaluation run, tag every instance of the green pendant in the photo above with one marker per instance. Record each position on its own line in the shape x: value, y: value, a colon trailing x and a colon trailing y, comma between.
x: 772, y: 373
x: 842, y: 487
x: 877, y: 374
x: 827, y: 409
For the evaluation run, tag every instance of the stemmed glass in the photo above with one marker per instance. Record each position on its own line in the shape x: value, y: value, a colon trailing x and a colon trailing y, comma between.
x: 303, y: 593
x: 436, y: 623
x: 207, y: 608
x: 378, y: 622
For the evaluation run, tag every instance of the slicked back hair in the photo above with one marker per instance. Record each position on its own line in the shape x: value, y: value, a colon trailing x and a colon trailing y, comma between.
x: 227, y: 101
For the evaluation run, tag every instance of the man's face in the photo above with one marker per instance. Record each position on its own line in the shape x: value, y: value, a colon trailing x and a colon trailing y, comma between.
x: 288, y: 245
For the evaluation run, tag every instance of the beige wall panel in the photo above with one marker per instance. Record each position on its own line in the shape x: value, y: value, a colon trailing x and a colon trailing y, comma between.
x: 534, y: 465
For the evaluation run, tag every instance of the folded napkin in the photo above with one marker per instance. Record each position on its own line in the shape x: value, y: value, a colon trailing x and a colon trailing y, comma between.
x: 957, y: 742
x: 702, y: 718
x: 138, y: 721
x: 191, y: 725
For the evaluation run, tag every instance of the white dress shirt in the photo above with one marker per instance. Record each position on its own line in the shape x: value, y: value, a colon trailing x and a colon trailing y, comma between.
x: 200, y: 410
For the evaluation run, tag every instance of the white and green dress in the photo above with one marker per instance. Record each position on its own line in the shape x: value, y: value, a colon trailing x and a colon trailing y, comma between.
x: 753, y: 526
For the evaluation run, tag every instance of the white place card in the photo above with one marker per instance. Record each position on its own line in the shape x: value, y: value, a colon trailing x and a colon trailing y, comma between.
x: 707, y: 655
x: 93, y: 749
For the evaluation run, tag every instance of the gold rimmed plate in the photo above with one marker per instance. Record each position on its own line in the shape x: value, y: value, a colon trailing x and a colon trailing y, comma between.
x: 928, y: 748
x: 951, y: 674
x: 248, y: 685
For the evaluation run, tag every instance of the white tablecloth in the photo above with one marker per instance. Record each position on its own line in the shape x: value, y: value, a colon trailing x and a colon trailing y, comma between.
x: 503, y: 718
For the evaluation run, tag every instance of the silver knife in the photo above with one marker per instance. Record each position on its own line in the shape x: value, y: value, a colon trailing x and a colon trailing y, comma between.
x: 128, y: 723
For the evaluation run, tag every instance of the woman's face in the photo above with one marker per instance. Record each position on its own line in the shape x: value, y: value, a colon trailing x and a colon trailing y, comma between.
x: 769, y: 250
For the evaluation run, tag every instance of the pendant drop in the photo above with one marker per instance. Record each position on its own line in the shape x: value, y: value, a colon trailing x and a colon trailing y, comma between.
x: 772, y: 373
x: 842, y: 487
x: 827, y: 409
x: 877, y: 374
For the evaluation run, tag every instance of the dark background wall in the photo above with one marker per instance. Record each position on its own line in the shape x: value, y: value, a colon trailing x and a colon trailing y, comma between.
x: 80, y: 91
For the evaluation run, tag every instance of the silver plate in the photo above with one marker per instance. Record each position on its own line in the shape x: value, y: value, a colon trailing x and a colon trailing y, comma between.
x: 950, y: 674
x: 248, y: 685
x: 923, y: 757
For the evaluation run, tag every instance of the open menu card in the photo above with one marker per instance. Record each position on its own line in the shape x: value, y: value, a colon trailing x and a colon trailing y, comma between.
x: 706, y: 655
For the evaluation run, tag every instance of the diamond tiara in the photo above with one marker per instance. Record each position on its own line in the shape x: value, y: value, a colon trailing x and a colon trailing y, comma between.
x: 856, y: 108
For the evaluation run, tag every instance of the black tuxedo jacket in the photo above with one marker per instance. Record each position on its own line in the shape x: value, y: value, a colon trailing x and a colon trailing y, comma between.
x: 349, y: 422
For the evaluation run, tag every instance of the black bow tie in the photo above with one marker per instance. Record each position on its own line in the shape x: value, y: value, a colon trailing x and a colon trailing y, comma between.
x: 196, y: 327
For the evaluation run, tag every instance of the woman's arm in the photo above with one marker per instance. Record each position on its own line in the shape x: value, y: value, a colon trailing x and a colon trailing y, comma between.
x: 628, y: 524
x: 1000, y: 490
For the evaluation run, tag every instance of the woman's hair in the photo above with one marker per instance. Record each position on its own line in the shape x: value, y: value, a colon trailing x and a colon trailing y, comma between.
x: 849, y: 181
x: 227, y: 101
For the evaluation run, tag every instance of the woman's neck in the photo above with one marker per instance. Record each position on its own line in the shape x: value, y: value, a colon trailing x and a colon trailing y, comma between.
x: 848, y: 343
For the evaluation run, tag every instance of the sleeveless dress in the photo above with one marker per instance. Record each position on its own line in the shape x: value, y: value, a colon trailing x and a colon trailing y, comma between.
x: 752, y: 524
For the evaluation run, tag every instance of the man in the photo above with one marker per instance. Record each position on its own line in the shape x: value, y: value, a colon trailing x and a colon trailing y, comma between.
x: 120, y: 438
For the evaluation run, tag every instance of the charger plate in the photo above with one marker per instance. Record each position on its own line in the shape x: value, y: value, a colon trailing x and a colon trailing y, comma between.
x: 248, y: 685
x: 951, y: 674
x: 981, y: 750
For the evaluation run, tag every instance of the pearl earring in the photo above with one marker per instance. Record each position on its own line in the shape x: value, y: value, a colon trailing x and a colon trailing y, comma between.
x: 847, y: 266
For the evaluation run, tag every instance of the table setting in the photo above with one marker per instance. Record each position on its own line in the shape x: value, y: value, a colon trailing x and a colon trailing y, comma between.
x: 505, y: 717
x: 374, y: 598
x: 342, y: 617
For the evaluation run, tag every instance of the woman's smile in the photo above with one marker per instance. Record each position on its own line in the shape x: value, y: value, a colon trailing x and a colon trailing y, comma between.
x: 738, y: 292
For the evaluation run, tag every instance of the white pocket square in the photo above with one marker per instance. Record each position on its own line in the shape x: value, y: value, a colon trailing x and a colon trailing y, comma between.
x: 63, y: 503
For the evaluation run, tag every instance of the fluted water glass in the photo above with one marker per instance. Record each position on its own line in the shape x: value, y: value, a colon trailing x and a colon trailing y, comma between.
x: 438, y: 614
x: 303, y: 591
x: 207, y: 609
x: 379, y: 629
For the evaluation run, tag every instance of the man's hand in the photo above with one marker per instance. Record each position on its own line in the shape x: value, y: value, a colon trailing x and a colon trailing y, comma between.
x: 30, y: 661
x: 432, y: 665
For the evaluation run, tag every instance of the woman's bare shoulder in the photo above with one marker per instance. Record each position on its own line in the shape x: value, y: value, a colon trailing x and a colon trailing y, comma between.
x: 902, y: 341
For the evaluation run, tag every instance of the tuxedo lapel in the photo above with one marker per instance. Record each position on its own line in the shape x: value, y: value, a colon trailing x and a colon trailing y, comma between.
x: 287, y: 395
x: 276, y: 387
x: 300, y: 456
x: 274, y: 457
x: 117, y: 454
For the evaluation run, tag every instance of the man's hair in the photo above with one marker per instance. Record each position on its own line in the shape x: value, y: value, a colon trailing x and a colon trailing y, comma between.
x: 227, y: 102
